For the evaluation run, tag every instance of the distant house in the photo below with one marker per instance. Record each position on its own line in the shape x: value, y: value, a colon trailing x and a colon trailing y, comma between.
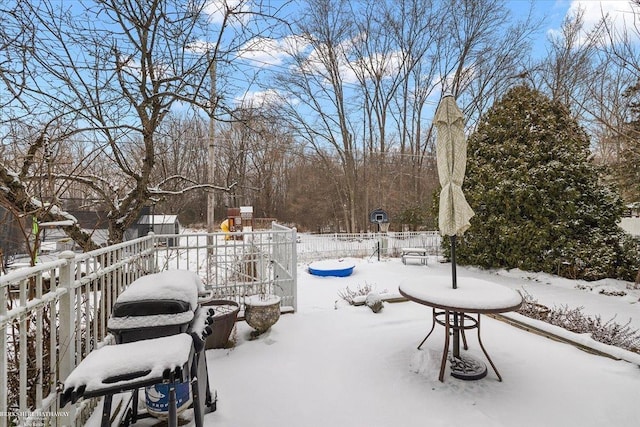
x: 159, y: 224
x: 630, y: 222
x: 96, y: 224
x: 54, y: 239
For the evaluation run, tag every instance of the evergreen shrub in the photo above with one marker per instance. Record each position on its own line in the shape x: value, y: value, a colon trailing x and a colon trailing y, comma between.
x: 539, y: 201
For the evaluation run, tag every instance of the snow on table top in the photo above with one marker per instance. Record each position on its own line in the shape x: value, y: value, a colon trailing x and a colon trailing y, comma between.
x: 180, y: 285
x: 109, y: 361
x: 471, y: 295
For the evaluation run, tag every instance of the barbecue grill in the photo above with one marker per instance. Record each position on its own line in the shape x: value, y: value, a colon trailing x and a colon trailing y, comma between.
x: 159, y: 330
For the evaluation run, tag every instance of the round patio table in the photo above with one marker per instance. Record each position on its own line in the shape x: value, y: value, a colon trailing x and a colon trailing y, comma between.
x: 451, y: 307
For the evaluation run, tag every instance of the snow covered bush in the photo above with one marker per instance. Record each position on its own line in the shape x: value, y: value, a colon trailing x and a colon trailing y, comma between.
x: 571, y: 319
x: 531, y: 308
x: 613, y: 333
x: 348, y: 294
x: 539, y: 200
x: 574, y: 320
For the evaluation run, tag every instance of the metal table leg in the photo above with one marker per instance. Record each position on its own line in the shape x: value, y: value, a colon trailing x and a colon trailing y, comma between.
x: 448, y: 327
x: 433, y: 325
x: 485, y: 352
x: 445, y: 352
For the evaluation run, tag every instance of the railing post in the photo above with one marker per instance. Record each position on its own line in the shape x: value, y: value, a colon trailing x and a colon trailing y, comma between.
x: 4, y: 397
x: 66, y: 331
x: 294, y: 267
x: 151, y: 247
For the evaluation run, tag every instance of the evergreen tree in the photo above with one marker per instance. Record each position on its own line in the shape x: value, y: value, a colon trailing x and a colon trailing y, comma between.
x: 539, y: 203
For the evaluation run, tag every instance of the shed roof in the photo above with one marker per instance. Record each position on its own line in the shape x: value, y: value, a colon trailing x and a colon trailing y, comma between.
x: 158, y: 219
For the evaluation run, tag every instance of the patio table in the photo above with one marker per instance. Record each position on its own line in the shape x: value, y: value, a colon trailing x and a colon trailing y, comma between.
x: 472, y: 296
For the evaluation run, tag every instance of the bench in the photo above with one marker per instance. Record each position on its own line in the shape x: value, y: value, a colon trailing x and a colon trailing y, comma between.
x: 414, y: 253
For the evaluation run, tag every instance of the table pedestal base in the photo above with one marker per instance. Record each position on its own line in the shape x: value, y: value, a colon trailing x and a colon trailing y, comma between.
x: 467, y: 368
x: 462, y: 367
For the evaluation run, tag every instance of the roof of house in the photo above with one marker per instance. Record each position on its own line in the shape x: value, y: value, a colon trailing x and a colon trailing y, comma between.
x: 91, y: 219
x: 158, y: 219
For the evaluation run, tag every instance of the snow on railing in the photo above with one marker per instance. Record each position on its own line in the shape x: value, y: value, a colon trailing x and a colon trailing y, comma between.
x: 52, y: 315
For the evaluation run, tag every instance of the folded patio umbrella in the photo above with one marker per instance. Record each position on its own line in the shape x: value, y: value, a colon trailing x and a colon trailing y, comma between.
x: 451, y: 153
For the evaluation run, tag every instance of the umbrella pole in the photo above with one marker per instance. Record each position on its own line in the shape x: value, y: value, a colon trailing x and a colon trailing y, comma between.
x: 453, y: 262
x: 456, y: 330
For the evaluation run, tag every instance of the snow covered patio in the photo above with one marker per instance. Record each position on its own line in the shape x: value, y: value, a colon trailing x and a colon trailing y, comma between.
x: 332, y: 364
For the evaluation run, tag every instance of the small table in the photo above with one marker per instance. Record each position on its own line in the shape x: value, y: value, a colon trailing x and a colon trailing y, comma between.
x: 472, y: 295
x: 414, y: 253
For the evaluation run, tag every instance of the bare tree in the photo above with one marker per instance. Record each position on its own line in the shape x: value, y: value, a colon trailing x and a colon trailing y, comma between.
x: 110, y: 71
x: 390, y: 42
x: 320, y: 110
x: 618, y: 111
x: 181, y: 143
x: 270, y: 146
x: 620, y: 42
x: 570, y: 64
x: 482, y: 49
x: 374, y: 70
x: 594, y: 71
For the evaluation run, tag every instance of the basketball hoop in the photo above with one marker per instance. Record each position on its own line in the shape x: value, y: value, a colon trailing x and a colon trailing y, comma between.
x: 384, y: 227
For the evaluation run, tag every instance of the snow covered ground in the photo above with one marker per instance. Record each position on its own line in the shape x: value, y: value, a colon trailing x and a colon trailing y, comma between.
x: 332, y: 364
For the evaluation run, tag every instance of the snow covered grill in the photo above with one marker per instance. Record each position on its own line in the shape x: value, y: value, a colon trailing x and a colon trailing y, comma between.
x: 155, y: 306
x: 160, y: 332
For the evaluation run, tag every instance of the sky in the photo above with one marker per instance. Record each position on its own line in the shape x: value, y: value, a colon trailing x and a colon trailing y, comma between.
x: 268, y: 54
x: 555, y: 11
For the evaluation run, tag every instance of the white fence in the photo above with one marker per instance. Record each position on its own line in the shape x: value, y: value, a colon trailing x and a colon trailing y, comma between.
x: 232, y: 268
x: 318, y: 246
x: 52, y: 315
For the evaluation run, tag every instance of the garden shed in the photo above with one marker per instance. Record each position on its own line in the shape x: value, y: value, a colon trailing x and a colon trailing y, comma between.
x: 159, y: 224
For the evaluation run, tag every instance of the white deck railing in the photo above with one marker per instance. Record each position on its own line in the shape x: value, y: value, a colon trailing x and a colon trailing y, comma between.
x: 64, y: 305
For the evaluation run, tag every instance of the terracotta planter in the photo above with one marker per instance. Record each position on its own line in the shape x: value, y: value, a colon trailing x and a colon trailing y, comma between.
x: 261, y: 312
x: 224, y: 319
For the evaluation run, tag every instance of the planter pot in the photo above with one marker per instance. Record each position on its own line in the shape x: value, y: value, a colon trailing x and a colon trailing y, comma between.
x: 224, y: 319
x: 261, y: 312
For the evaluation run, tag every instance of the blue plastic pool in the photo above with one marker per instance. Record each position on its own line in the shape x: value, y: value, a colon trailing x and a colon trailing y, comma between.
x: 336, y: 268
